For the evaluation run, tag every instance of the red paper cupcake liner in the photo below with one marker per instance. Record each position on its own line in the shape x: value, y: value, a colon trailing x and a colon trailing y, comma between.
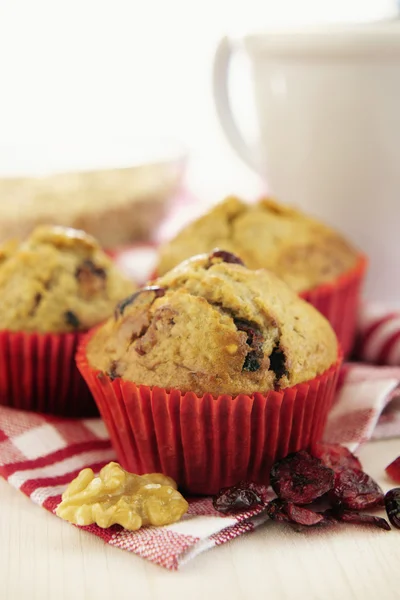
x: 38, y: 373
x: 339, y: 302
x: 206, y: 443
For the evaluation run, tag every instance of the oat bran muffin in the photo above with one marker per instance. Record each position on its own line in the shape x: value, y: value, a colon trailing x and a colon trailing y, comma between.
x: 300, y: 250
x: 58, y: 280
x: 211, y: 374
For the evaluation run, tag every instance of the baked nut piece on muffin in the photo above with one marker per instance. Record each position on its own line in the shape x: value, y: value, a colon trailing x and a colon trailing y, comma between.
x: 300, y: 250
x: 58, y: 280
x: 213, y: 326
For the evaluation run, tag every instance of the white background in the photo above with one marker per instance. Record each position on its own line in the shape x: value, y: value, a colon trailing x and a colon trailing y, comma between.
x: 83, y: 70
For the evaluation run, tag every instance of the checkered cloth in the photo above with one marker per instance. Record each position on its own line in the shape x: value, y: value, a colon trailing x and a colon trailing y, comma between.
x: 40, y: 455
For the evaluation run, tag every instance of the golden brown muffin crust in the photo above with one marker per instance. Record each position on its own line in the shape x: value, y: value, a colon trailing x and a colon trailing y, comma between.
x: 301, y: 251
x: 58, y: 280
x: 211, y: 326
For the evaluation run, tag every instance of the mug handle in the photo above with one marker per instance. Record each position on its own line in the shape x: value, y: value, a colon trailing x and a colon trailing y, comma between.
x: 222, y: 60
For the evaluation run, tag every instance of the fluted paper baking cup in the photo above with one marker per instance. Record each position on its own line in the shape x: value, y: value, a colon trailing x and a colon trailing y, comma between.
x: 38, y: 373
x: 208, y: 442
x: 339, y: 302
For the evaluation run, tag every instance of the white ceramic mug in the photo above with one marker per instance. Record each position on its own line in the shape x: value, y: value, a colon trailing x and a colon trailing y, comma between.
x: 328, y: 110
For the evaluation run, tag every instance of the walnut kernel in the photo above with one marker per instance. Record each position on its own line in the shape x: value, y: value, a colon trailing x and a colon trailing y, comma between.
x: 119, y: 497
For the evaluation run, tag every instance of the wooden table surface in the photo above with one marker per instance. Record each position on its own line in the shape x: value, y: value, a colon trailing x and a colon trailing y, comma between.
x: 43, y: 558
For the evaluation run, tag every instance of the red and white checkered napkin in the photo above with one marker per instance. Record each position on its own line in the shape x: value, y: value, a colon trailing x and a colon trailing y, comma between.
x: 379, y: 335
x: 40, y: 455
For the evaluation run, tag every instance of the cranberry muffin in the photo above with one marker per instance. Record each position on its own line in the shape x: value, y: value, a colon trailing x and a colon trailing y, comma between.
x: 212, y: 355
x: 314, y: 260
x: 216, y: 327
x: 55, y: 285
x: 58, y: 280
x: 266, y: 235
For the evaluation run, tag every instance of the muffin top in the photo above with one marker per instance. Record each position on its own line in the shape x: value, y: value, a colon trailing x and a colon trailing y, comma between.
x: 301, y: 251
x: 58, y: 280
x: 212, y: 325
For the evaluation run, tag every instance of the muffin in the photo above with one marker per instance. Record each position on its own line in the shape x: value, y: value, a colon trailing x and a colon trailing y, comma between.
x: 311, y: 258
x: 55, y: 285
x: 211, y: 373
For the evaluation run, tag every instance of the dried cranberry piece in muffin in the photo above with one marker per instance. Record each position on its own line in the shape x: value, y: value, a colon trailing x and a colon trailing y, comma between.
x: 156, y: 290
x: 355, y: 490
x: 255, y: 357
x: 336, y: 457
x: 255, y: 340
x: 71, y: 319
x: 301, y: 478
x: 225, y: 256
x: 392, y: 504
x: 278, y: 363
x: 393, y: 470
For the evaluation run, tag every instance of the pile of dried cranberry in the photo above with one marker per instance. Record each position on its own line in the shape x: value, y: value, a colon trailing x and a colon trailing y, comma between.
x: 333, y: 476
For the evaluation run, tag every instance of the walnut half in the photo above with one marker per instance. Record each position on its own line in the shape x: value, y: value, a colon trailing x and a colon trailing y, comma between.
x: 119, y: 497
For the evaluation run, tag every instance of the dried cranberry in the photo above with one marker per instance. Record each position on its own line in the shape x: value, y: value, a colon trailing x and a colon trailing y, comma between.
x: 158, y: 293
x: 255, y: 340
x: 329, y: 517
x: 226, y: 257
x: 393, y: 470
x: 242, y: 496
x: 355, y: 490
x: 276, y: 510
x: 303, y: 516
x: 71, y: 319
x: 337, y: 457
x: 280, y: 510
x: 392, y: 504
x: 252, y: 330
x: 251, y: 363
x: 347, y: 516
x: 261, y: 490
x: 301, y: 478
x: 277, y: 360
